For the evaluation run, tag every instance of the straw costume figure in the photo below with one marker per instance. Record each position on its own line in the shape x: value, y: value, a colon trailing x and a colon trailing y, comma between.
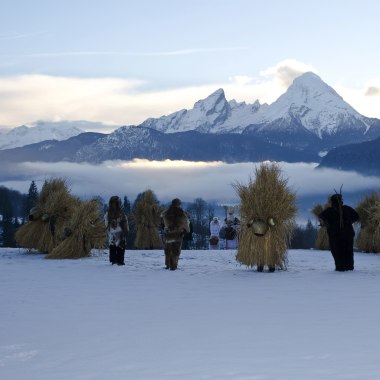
x: 147, y: 220
x: 368, y: 239
x: 176, y: 225
x: 338, y: 219
x: 322, y: 240
x: 54, y: 208
x: 268, y: 210
x: 83, y: 232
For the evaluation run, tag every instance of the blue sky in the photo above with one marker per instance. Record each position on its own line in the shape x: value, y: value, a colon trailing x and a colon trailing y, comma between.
x: 120, y: 62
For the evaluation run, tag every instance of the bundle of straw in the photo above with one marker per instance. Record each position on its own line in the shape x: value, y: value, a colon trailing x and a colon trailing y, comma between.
x: 86, y: 230
x: 368, y: 239
x: 322, y: 240
x: 55, y: 205
x: 266, y: 198
x: 147, y: 220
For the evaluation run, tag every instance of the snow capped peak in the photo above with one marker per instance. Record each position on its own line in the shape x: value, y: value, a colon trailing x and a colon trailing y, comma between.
x: 310, y: 84
x: 38, y: 131
x: 211, y: 101
x: 316, y: 106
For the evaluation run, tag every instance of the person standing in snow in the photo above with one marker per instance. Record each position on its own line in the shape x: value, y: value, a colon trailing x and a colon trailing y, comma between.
x: 176, y: 225
x: 338, y: 219
x: 231, y: 229
x: 147, y: 218
x: 117, y: 230
x: 214, y: 233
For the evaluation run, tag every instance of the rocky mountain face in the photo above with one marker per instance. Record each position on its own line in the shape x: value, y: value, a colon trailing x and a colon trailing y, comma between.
x: 139, y: 142
x: 127, y: 143
x: 50, y: 150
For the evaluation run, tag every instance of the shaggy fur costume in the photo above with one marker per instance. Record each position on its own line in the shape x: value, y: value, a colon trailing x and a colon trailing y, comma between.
x: 117, y: 230
x: 176, y: 225
x: 147, y: 219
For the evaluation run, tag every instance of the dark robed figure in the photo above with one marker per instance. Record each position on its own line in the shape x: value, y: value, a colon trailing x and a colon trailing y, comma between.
x: 338, y: 219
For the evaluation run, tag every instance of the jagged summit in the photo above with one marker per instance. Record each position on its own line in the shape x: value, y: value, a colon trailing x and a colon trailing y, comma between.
x: 204, y: 117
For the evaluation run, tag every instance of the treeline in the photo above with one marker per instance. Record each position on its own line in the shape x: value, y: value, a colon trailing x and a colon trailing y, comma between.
x: 15, y: 207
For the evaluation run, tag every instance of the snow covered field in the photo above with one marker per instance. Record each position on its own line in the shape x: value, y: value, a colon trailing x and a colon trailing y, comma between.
x: 211, y: 319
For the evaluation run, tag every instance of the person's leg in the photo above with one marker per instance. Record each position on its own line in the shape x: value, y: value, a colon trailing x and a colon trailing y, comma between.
x: 348, y: 253
x: 112, y: 254
x: 167, y: 255
x: 174, y: 254
x: 120, y: 256
x: 335, y: 251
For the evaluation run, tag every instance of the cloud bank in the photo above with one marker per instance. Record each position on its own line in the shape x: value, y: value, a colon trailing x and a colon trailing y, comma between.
x: 186, y: 180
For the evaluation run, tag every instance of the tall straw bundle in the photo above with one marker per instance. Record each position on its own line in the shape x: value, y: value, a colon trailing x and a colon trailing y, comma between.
x: 54, y: 207
x: 147, y: 220
x: 85, y: 231
x: 28, y: 235
x: 368, y: 239
x: 375, y: 221
x: 267, y: 202
x: 322, y: 240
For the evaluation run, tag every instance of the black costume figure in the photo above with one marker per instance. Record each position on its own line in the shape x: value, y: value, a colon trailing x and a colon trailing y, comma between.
x: 338, y: 219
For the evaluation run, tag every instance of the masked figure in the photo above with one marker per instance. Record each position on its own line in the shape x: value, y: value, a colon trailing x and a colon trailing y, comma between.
x: 338, y: 219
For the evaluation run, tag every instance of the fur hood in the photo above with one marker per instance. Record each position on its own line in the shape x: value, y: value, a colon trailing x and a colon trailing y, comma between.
x: 175, y: 218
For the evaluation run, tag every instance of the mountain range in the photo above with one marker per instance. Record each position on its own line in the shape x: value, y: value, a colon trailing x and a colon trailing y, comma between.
x: 362, y: 157
x: 304, y: 123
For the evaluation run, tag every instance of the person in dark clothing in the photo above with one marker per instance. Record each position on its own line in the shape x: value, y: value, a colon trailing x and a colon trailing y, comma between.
x: 117, y: 230
x: 338, y: 219
x: 176, y: 225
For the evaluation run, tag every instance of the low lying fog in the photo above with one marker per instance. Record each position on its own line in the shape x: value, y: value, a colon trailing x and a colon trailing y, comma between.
x: 186, y: 180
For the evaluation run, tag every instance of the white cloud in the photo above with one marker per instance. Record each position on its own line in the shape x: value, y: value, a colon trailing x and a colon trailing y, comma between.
x: 286, y: 71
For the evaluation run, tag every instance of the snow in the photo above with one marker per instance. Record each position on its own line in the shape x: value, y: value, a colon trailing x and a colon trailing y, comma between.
x: 46, y: 130
x: 39, y: 131
x: 211, y: 319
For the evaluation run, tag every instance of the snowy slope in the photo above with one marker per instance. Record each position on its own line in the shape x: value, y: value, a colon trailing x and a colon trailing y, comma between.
x: 212, y: 319
x: 43, y: 130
